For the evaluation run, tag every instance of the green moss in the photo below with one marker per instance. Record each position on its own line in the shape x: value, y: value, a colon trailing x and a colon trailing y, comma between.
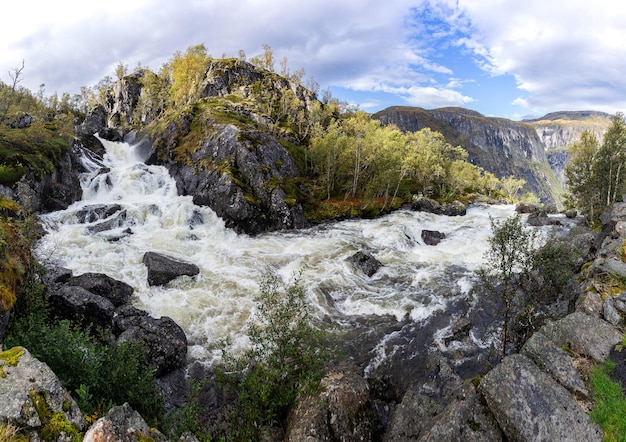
x: 53, y: 424
x: 609, y: 403
x: 10, y: 357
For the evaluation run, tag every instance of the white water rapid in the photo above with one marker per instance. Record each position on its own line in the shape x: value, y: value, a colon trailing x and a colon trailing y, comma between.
x: 415, y: 281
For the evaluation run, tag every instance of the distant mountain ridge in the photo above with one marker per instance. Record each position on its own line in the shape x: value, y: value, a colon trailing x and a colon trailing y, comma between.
x: 530, y: 149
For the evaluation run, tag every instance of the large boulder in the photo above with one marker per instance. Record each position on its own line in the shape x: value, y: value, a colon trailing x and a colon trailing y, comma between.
x: 118, y: 292
x: 123, y: 424
x: 33, y: 400
x: 555, y: 361
x: 423, y: 204
x: 365, y: 263
x: 165, y: 341
x: 79, y: 304
x: 163, y: 269
x: 531, y: 406
x: 432, y: 237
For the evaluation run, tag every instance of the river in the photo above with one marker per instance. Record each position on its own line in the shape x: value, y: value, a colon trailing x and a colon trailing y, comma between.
x: 416, y: 281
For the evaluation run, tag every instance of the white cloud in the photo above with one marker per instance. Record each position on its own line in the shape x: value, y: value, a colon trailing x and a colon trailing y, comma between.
x: 564, y: 53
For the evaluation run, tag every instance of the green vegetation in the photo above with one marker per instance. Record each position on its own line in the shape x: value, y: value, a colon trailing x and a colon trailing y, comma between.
x: 609, y: 409
x: 596, y: 173
x: 98, y: 373
x: 286, y: 358
x: 510, y: 255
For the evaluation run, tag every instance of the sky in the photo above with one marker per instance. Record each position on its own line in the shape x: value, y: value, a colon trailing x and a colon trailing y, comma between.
x: 504, y: 58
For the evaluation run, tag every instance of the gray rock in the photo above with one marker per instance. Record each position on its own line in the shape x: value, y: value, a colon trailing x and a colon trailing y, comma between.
x: 531, y: 406
x: 584, y: 334
x: 109, y: 224
x: 423, y: 204
x: 465, y: 419
x: 78, y: 304
x: 365, y: 262
x: 610, y: 313
x: 341, y: 411
x: 122, y: 424
x: 26, y: 385
x: 92, y: 213
x: 162, y: 269
x: 117, y: 292
x: 590, y: 303
x: 555, y: 361
x: 165, y: 341
x: 432, y: 237
x: 411, y: 415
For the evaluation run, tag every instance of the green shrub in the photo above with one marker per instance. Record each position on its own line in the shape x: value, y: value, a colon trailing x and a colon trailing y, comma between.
x: 286, y: 357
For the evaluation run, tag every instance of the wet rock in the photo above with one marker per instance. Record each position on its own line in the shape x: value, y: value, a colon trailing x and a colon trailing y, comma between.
x: 555, y: 361
x: 165, y: 341
x: 610, y: 313
x: 123, y: 424
x: 110, y: 224
x: 56, y: 275
x: 117, y: 292
x: 584, y: 334
x: 27, y: 386
x: 531, y: 406
x: 423, y: 204
x: 162, y: 269
x: 365, y: 262
x: 432, y: 237
x: 341, y: 411
x: 79, y: 304
x: 96, y: 212
x: 571, y: 213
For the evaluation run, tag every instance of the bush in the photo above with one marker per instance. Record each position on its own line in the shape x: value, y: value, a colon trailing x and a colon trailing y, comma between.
x: 286, y: 357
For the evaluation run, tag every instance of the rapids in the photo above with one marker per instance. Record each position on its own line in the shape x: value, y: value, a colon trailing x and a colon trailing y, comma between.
x: 415, y: 282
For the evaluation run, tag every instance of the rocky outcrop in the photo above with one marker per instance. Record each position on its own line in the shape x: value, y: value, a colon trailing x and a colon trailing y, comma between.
x: 96, y: 299
x: 432, y: 237
x: 33, y: 400
x: 163, y: 269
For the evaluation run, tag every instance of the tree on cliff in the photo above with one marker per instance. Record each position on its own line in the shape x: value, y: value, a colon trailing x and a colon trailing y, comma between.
x: 596, y: 174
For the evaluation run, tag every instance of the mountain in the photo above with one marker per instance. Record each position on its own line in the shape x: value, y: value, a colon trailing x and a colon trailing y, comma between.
x: 531, y: 149
x: 558, y: 130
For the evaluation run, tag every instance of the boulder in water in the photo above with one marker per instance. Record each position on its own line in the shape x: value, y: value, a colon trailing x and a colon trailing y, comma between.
x: 117, y: 292
x: 365, y: 262
x: 163, y: 269
x: 432, y: 237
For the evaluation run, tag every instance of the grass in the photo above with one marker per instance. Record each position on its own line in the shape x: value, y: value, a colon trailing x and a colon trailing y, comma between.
x: 609, y: 408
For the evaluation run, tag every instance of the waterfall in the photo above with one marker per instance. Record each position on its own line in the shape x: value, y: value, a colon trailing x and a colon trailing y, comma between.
x: 415, y: 282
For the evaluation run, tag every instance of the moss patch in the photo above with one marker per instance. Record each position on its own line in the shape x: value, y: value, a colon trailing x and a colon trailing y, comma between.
x: 53, y: 424
x: 10, y: 357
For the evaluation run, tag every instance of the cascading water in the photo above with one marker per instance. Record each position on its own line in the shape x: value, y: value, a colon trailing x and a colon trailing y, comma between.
x: 415, y: 281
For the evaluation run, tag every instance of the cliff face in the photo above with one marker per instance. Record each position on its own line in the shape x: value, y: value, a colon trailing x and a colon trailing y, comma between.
x: 559, y: 130
x: 503, y: 147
